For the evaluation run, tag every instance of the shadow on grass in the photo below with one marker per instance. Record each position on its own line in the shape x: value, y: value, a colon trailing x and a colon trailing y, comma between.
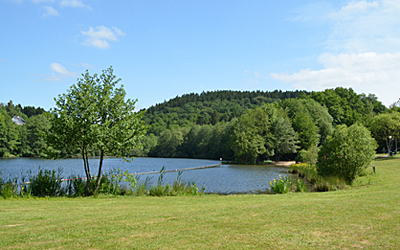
x: 386, y: 158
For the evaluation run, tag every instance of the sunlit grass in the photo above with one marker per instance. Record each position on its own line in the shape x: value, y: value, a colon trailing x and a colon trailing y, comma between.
x: 366, y: 216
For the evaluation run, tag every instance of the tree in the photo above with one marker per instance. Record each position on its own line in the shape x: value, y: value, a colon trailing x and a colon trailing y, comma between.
x: 317, y: 113
x: 347, y: 152
x: 252, y: 139
x: 168, y: 142
x: 285, y: 138
x: 307, y: 131
x: 93, y: 114
x: 385, y: 125
x: 34, y: 142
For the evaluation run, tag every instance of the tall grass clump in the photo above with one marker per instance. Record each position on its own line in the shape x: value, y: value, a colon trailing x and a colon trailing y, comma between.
x: 114, y: 182
x: 8, y: 188
x: 46, y: 183
x: 309, y: 173
x: 179, y: 187
x: 281, y: 185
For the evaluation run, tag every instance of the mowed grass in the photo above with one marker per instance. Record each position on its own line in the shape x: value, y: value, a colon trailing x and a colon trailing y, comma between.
x: 366, y: 216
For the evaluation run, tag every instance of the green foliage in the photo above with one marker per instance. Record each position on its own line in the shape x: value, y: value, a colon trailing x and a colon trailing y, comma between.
x: 308, y: 172
x: 209, y: 108
x: 9, y: 135
x: 8, y: 188
x: 252, y: 140
x: 346, y: 106
x: 308, y: 156
x: 281, y: 185
x: 315, y: 112
x: 300, y: 186
x: 306, y: 129
x: 34, y: 142
x: 347, y: 152
x: 179, y: 187
x: 169, y: 142
x: 384, y: 127
x: 95, y: 115
x: 285, y: 138
x: 46, y: 183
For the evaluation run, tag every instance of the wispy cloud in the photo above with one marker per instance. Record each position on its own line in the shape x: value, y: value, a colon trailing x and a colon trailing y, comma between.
x: 58, y: 73
x: 362, y: 51
x: 50, y: 11
x: 42, y: 1
x: 251, y: 78
x: 74, y: 4
x: 86, y: 65
x: 101, y: 36
x: 364, y: 72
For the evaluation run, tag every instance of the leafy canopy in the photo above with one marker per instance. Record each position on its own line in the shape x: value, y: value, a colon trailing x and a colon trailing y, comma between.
x: 347, y: 152
x: 93, y: 114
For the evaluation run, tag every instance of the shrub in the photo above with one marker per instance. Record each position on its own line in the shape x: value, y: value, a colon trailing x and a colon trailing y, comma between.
x: 308, y: 156
x: 346, y: 153
x: 46, y: 183
x: 282, y: 185
x: 8, y: 188
x: 300, y: 186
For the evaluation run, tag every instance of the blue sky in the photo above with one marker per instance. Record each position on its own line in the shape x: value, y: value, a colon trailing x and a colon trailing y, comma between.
x: 162, y: 49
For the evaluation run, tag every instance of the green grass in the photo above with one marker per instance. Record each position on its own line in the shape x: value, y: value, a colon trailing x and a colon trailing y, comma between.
x: 365, y: 216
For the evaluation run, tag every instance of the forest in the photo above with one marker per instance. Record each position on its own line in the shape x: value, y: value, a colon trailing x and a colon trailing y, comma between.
x: 244, y: 127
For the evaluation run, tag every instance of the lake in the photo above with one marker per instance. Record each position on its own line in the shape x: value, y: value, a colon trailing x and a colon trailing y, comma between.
x: 224, y: 179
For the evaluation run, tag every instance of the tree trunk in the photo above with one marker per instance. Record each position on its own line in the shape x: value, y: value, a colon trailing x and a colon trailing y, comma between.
x: 99, y: 174
x: 87, y: 169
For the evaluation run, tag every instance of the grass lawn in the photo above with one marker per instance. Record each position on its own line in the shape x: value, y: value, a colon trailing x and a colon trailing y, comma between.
x: 364, y: 216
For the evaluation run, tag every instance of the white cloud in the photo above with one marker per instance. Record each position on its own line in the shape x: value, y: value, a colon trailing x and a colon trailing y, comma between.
x: 42, y: 1
x: 59, y: 72
x: 118, y: 31
x: 354, y: 8
x: 365, y: 73
x: 362, y: 51
x: 101, y: 36
x: 49, y: 11
x: 86, y: 65
x: 73, y: 4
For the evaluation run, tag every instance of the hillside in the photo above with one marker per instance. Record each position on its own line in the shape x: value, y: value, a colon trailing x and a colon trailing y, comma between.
x: 210, y: 107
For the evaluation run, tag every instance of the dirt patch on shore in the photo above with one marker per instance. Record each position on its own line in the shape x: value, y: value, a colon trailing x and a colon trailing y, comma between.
x: 284, y: 163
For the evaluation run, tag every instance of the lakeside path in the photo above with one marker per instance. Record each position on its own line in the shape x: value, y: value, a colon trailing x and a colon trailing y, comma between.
x: 365, y: 216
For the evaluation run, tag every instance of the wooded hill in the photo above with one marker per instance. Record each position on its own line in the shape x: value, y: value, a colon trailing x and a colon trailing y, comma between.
x: 248, y: 127
x: 210, y: 107
x: 251, y: 127
x: 344, y: 105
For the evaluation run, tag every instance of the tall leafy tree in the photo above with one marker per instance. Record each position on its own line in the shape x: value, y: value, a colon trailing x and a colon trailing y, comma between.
x: 384, y: 127
x: 94, y: 114
x: 347, y: 152
x: 285, y: 138
x: 34, y: 142
x: 306, y: 129
x: 252, y: 137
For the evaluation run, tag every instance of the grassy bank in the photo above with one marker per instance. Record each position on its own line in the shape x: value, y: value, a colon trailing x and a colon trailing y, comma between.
x: 364, y: 216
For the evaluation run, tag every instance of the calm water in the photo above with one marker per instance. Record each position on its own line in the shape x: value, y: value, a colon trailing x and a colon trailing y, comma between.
x: 226, y: 179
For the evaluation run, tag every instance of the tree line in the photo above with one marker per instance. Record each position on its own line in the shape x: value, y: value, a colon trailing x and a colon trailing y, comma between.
x: 247, y: 127
x: 260, y: 126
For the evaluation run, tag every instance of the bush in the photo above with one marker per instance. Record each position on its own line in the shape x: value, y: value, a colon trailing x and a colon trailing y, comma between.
x: 281, y: 186
x: 8, y: 188
x: 46, y: 183
x: 308, y: 156
x: 346, y: 153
